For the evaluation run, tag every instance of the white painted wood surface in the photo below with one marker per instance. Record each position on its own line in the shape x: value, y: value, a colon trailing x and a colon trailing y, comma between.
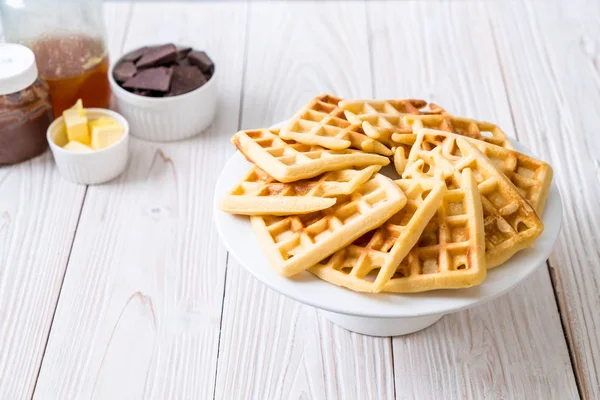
x: 151, y: 305
x: 147, y: 269
x: 271, y: 346
x: 504, y: 348
x: 555, y: 105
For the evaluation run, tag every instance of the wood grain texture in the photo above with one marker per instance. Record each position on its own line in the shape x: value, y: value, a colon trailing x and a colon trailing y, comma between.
x: 273, y: 347
x: 511, y: 347
x: 38, y: 217
x: 140, y: 309
x: 550, y: 54
x: 39, y: 212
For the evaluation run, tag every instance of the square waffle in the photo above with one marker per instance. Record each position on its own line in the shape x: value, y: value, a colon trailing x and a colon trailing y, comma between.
x: 288, y: 161
x: 450, y: 252
x: 382, y: 118
x: 321, y: 122
x: 470, y: 128
x: 510, y: 223
x: 294, y: 243
x: 368, y: 264
x: 260, y: 194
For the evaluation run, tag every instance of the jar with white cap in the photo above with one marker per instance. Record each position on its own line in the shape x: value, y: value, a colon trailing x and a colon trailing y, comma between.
x: 25, y: 106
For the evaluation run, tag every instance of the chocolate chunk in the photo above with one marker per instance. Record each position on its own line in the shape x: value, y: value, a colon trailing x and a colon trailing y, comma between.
x: 157, y: 56
x: 182, y: 52
x: 185, y: 79
x: 184, y: 61
x: 201, y: 60
x: 158, y: 79
x: 124, y: 71
x: 135, y: 55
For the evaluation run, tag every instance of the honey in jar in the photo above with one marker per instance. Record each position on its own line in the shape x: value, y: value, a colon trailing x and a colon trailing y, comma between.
x: 74, y: 67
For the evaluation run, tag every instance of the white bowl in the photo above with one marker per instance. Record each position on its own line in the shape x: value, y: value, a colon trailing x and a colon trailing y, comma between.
x: 92, y: 168
x: 166, y: 119
x: 381, y: 314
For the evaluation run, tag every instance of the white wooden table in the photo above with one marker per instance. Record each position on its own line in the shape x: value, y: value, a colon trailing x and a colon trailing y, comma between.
x: 124, y: 291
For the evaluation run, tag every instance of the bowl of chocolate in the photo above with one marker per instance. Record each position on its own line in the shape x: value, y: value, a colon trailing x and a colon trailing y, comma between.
x: 166, y: 92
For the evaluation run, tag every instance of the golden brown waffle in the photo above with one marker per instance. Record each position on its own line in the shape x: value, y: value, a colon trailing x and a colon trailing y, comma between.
x: 382, y: 118
x: 288, y: 161
x: 530, y: 176
x: 321, y: 122
x: 260, y: 194
x: 450, y: 252
x: 510, y: 223
x: 470, y: 128
x: 368, y: 264
x: 295, y: 243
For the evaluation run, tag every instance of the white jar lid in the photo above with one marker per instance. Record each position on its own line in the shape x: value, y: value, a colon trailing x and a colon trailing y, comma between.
x: 17, y: 68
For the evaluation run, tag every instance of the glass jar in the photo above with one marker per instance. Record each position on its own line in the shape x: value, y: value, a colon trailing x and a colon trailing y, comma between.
x: 25, y: 110
x: 68, y: 39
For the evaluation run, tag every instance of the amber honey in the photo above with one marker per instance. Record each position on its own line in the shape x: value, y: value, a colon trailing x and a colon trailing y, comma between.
x: 74, y: 67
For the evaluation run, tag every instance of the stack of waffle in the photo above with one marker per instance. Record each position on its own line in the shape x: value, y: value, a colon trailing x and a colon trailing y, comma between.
x: 466, y: 200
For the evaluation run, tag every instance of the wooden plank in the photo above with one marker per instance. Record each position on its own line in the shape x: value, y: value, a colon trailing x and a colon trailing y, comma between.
x: 271, y: 346
x: 140, y: 309
x: 38, y: 218
x: 39, y: 212
x: 550, y: 55
x: 512, y: 347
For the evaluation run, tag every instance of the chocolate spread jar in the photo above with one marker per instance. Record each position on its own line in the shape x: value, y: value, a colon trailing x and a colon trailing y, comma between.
x: 25, y: 108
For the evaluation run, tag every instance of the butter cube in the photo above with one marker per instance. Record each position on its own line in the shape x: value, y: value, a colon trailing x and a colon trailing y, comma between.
x: 102, y: 121
x: 77, y: 147
x: 78, y: 106
x: 106, y: 135
x: 77, y: 127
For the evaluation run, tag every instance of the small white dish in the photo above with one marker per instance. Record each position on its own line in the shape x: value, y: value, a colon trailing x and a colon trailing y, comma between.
x: 380, y: 314
x: 92, y: 168
x: 166, y: 119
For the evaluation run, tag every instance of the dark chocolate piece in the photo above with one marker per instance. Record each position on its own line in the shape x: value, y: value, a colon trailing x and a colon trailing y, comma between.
x: 183, y: 61
x: 185, y: 79
x: 201, y: 60
x: 158, y: 79
x: 134, y: 55
x: 157, y: 56
x: 124, y: 71
x: 182, y: 52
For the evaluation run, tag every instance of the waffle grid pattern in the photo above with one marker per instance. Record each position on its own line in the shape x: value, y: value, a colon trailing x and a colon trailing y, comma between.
x: 289, y: 161
x: 510, y: 223
x: 295, y: 243
x: 381, y: 250
x: 321, y: 122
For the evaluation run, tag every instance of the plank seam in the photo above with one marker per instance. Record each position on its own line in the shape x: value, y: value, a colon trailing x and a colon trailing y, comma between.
x: 239, y: 126
x: 550, y: 269
x: 370, y: 50
x: 62, y: 281
x: 127, y: 26
x: 220, y: 326
x: 563, y: 325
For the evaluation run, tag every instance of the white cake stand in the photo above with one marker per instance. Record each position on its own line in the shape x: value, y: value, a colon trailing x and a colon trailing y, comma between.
x: 377, y: 314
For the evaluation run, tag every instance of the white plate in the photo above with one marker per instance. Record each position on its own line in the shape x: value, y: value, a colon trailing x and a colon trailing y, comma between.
x: 238, y: 236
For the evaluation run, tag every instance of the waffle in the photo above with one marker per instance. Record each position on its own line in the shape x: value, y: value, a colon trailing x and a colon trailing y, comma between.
x: 470, y: 128
x: 294, y: 243
x: 450, y: 253
x: 368, y: 264
x: 321, y: 122
x: 259, y: 194
x: 530, y: 176
x: 381, y: 118
x: 510, y: 223
x: 288, y: 161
